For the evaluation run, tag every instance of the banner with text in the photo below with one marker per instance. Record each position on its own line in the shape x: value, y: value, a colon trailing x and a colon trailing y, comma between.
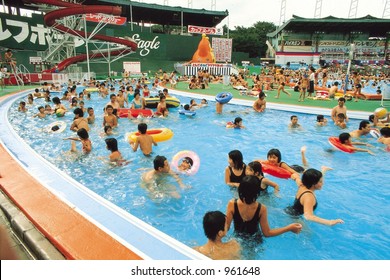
x: 222, y: 49
x: 110, y: 19
x: 205, y: 30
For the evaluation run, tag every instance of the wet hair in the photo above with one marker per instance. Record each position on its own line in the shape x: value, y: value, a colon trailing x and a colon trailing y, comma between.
x: 341, y: 115
x: 83, y: 133
x: 297, y: 168
x: 112, y: 95
x: 249, y: 189
x: 56, y: 100
x: 371, y: 118
x: 106, y: 128
x: 186, y: 107
x: 344, y: 137
x: 142, y: 128
x: 188, y: 160
x: 40, y: 107
x: 237, y: 158
x: 342, y: 99
x: 213, y: 222
x: 89, y: 108
x: 237, y: 120
x: 336, y: 83
x: 275, y: 152
x: 293, y: 116
x: 159, y: 161
x: 162, y: 96
x: 311, y: 177
x: 385, y: 131
x: 109, y: 107
x: 261, y: 94
x: 320, y: 118
x: 112, y: 144
x: 79, y: 112
x: 363, y: 124
x: 55, y: 128
x: 136, y: 93
x: 256, y: 167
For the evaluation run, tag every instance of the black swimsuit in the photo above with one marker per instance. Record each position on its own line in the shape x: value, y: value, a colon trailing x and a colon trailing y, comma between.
x: 246, y: 227
x: 298, y: 207
x: 234, y: 178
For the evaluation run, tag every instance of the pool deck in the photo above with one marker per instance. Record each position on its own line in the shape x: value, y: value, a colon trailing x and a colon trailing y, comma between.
x: 35, y: 234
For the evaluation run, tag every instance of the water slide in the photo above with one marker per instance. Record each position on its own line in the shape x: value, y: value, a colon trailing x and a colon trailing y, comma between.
x: 70, y: 9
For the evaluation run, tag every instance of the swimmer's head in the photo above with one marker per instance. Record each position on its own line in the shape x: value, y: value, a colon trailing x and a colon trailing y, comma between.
x: 320, y: 118
x: 344, y: 137
x: 213, y: 223
x: 186, y: 107
x: 55, y: 128
x: 274, y: 153
x: 256, y: 167
x: 249, y: 189
x: 188, y: 161
x: 311, y: 177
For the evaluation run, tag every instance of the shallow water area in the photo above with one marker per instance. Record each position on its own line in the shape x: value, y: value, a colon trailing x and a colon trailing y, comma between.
x: 355, y: 190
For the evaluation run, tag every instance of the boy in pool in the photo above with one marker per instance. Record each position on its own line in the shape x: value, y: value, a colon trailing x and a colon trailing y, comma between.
x: 110, y: 119
x: 41, y: 112
x: 346, y: 140
x: 294, y: 123
x: 91, y: 115
x: 22, y: 107
x: 144, y: 140
x: 321, y: 121
x: 161, y: 168
x: 340, y: 121
x: 385, y: 138
x: 214, y: 226
x: 236, y: 124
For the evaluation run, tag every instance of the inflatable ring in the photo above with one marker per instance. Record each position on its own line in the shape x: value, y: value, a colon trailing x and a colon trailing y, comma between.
x: 92, y: 89
x: 187, y: 112
x: 158, y: 134
x: 335, y: 142
x: 223, y: 97
x: 181, y: 155
x: 152, y: 102
x: 58, y: 126
x: 275, y: 171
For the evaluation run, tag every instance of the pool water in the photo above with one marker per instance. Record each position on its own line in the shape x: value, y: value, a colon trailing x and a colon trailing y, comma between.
x: 357, y: 190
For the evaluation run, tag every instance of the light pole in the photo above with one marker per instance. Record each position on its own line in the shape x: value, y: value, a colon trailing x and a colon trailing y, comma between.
x: 351, y: 52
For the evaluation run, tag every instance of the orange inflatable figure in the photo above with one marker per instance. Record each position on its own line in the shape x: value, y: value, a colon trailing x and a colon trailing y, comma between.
x: 204, y: 53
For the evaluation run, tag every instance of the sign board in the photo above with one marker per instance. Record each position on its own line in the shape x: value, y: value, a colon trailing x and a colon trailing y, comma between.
x: 205, y: 30
x: 110, y: 19
x: 35, y: 59
x: 222, y: 49
x: 132, y: 66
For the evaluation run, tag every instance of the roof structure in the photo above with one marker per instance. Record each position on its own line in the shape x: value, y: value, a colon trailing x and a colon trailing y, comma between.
x: 149, y: 13
x: 375, y: 27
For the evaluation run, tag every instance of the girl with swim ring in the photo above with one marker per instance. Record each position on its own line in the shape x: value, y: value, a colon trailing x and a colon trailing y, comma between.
x: 305, y: 199
x: 254, y: 168
x: 235, y: 171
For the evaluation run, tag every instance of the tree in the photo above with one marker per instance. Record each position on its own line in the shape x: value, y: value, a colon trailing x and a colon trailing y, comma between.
x: 251, y: 40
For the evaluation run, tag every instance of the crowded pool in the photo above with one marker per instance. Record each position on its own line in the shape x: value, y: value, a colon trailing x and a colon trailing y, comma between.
x: 354, y: 191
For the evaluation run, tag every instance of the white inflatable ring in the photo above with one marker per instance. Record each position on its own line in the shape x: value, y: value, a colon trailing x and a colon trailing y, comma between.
x: 60, y: 124
x: 186, y: 153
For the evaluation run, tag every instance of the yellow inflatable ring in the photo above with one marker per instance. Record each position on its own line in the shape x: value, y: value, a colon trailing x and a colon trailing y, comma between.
x: 158, y: 134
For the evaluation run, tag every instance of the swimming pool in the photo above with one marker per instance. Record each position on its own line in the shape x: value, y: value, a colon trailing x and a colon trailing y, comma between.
x: 364, y: 235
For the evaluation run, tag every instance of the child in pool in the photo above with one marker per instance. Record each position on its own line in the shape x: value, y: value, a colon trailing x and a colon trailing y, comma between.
x: 186, y: 164
x: 41, y: 112
x: 385, y: 138
x: 214, y: 226
x: 274, y: 157
x: 321, y: 121
x: 110, y: 119
x: 346, y: 140
x: 115, y: 156
x: 254, y: 168
x: 144, y: 140
x: 91, y: 115
x: 83, y: 135
x: 340, y: 121
x: 236, y: 124
x: 22, y: 107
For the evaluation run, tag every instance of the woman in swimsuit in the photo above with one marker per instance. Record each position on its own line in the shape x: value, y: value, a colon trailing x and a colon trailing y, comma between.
x: 236, y: 169
x: 305, y: 199
x: 138, y: 102
x: 249, y: 215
